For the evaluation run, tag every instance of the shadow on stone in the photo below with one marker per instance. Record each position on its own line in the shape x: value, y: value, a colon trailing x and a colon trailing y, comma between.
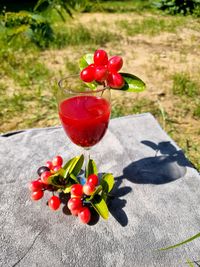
x: 169, y: 166
x: 116, y: 205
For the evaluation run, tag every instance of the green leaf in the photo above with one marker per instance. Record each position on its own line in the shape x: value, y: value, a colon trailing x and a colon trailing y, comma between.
x: 182, y: 243
x: 73, y: 177
x: 74, y: 166
x: 54, y: 180
x: 97, y: 190
x: 91, y: 168
x: 107, y: 182
x: 132, y: 83
x: 100, y: 206
x: 67, y: 189
x: 85, y: 61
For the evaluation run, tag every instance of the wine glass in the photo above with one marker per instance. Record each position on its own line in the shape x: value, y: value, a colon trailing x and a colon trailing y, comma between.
x: 84, y: 112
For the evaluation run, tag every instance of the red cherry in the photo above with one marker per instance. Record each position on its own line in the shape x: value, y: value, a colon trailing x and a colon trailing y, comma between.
x: 115, y: 80
x: 74, y: 204
x: 77, y: 190
x: 75, y: 212
x: 49, y: 164
x: 88, y: 188
x: 37, y: 195
x: 56, y: 168
x: 45, y: 176
x: 84, y: 215
x: 115, y: 63
x: 57, y: 161
x: 87, y: 74
x: 35, y: 186
x: 100, y: 74
x: 54, y: 202
x: 100, y: 57
x: 93, y: 179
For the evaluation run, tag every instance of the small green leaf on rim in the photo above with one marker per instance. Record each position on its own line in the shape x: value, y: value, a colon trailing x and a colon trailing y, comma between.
x: 91, y: 168
x: 100, y: 206
x: 132, y: 83
x: 107, y: 182
x: 85, y: 61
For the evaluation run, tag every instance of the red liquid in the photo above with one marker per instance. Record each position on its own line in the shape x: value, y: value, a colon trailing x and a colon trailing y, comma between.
x: 85, y: 119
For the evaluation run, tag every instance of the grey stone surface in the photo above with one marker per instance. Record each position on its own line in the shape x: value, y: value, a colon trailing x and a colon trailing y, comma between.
x: 157, y: 203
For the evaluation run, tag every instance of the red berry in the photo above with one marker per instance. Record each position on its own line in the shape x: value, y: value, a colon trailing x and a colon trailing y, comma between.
x: 77, y: 190
x: 45, y: 176
x: 100, y: 57
x: 93, y: 179
x: 57, y: 161
x: 84, y: 215
x: 115, y: 80
x: 100, y: 74
x: 56, y: 168
x: 37, y: 195
x: 35, y: 186
x: 87, y: 74
x: 49, y: 164
x: 88, y: 189
x: 75, y: 212
x: 42, y: 169
x: 115, y: 63
x: 54, y: 202
x: 74, y: 204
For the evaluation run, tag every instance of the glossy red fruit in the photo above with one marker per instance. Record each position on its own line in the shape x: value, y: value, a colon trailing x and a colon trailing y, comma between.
x: 115, y: 80
x: 56, y: 168
x: 100, y: 57
x: 88, y: 189
x: 37, y: 195
x: 49, y: 164
x: 76, y: 190
x: 115, y: 63
x: 35, y: 186
x: 57, y: 161
x: 85, y: 215
x: 75, y: 212
x: 44, y: 177
x: 87, y: 74
x: 54, y: 203
x: 93, y: 179
x: 100, y: 73
x: 74, y: 204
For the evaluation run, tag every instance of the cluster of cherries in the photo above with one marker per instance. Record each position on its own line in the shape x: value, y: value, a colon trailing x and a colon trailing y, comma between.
x: 104, y: 70
x: 37, y: 187
x: 77, y: 203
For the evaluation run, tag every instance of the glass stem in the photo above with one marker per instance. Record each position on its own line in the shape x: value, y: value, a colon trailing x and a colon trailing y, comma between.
x: 86, y: 154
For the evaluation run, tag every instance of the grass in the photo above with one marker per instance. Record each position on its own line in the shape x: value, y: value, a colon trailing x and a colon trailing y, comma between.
x: 120, y: 6
x: 183, y: 85
x: 150, y: 25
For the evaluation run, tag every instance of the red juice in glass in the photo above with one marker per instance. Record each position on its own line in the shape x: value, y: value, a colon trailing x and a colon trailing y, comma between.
x: 85, y: 119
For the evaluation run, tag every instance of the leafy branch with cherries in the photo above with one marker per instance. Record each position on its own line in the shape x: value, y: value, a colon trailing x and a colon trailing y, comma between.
x: 57, y: 177
x: 97, y: 69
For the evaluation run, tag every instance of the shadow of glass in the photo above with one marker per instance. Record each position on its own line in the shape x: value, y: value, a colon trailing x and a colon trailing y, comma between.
x: 169, y: 166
